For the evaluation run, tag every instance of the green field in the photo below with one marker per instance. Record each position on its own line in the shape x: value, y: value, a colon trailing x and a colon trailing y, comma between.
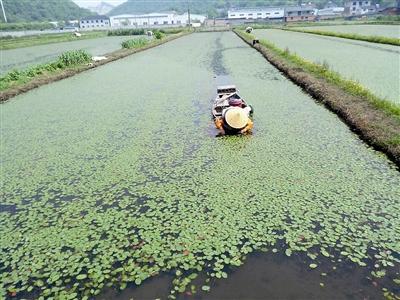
x: 392, y: 31
x: 22, y: 58
x: 375, y: 66
x: 115, y: 176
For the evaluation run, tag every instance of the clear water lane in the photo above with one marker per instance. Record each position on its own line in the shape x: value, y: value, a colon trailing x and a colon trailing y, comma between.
x: 118, y: 171
x: 22, y: 58
x: 375, y: 66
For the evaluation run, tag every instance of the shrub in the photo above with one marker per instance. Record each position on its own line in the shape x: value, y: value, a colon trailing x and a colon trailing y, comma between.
x: 134, y: 43
x: 126, y: 32
x: 74, y: 57
x: 158, y: 35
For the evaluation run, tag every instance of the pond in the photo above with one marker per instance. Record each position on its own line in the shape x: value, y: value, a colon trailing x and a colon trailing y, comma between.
x: 22, y: 58
x: 115, y: 178
x: 392, y: 31
x: 375, y: 66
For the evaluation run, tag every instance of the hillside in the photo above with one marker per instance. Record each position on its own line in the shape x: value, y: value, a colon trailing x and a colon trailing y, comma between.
x: 101, y: 8
x: 39, y: 10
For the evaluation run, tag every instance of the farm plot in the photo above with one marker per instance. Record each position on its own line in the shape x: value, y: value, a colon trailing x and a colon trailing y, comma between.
x: 22, y: 58
x: 392, y: 31
x: 121, y: 179
x: 373, y: 65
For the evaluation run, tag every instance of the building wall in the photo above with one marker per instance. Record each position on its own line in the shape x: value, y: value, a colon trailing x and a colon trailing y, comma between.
x: 355, y: 8
x: 295, y: 18
x: 96, y: 23
x: 154, y: 20
x: 261, y: 13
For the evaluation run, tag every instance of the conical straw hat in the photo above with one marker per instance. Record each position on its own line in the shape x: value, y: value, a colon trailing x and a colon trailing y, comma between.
x: 236, y: 117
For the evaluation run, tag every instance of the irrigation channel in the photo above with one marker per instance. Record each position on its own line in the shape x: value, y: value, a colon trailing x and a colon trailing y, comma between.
x: 22, y: 58
x: 115, y: 179
x: 375, y: 66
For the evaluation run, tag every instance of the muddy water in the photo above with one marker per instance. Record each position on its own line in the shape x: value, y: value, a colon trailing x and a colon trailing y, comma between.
x: 375, y: 66
x: 116, y: 176
x: 22, y: 58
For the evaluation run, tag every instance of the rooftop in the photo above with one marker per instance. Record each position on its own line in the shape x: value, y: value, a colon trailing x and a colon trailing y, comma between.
x: 96, y: 17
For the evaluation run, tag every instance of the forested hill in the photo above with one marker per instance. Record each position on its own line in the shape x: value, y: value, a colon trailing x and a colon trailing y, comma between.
x: 211, y: 7
x: 42, y: 10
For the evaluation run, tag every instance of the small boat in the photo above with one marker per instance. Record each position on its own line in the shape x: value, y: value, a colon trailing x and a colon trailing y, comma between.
x: 230, y: 112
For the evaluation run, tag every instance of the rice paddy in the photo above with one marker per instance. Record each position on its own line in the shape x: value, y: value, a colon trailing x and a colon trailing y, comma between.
x: 22, y: 58
x: 374, y: 66
x: 115, y: 178
x: 392, y: 31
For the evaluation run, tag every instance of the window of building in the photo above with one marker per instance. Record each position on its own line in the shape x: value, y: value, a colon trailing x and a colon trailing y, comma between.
x: 259, y: 14
x: 250, y: 14
x: 354, y: 8
x: 354, y: 3
x: 165, y: 22
x: 306, y: 18
x: 267, y: 14
x: 179, y: 22
x: 359, y: 2
x: 97, y: 21
x: 155, y: 23
x: 145, y: 23
x: 233, y: 15
x: 102, y: 21
x: 241, y: 15
x: 83, y: 26
x: 276, y: 13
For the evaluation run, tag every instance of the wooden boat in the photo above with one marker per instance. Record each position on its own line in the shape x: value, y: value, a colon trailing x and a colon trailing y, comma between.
x: 226, y: 103
x: 224, y: 95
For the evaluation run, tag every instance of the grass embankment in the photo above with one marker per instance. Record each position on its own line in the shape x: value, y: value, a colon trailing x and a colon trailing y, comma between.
x: 35, y: 40
x: 376, y: 120
x: 69, y: 64
x: 67, y: 60
x: 351, y: 36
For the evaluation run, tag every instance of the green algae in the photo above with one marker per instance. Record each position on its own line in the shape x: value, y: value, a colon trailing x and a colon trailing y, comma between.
x: 122, y: 177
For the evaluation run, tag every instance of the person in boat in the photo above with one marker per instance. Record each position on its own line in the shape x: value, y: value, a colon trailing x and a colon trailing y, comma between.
x: 235, y: 118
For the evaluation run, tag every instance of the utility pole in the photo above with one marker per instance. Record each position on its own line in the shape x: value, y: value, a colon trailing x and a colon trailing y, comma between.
x: 188, y: 12
x: 4, y: 12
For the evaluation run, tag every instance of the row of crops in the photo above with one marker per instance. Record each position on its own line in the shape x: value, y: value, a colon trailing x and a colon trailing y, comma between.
x: 115, y: 176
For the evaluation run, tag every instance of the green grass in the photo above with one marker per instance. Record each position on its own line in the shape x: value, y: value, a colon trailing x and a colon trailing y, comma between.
x: 28, y: 41
x: 135, y: 43
x: 323, y: 71
x: 66, y: 60
x: 352, y: 36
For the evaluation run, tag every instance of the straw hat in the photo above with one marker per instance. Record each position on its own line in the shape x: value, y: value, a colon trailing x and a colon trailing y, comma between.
x: 236, y: 117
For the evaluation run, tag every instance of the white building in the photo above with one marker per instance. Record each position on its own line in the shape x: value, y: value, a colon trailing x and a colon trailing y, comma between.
x: 155, y: 19
x: 94, y: 22
x: 257, y: 13
x: 357, y: 8
x: 330, y: 12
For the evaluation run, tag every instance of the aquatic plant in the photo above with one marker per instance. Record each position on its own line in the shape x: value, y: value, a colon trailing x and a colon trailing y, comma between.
x: 106, y: 187
x: 352, y: 36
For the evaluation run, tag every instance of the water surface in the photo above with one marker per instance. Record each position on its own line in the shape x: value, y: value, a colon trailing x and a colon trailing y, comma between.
x: 375, y: 66
x: 392, y: 31
x: 22, y: 58
x: 116, y: 176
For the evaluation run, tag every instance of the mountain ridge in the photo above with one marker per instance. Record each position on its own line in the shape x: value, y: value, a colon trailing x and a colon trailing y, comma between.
x: 38, y: 10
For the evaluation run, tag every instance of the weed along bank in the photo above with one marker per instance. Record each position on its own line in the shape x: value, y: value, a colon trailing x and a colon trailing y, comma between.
x: 187, y: 164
